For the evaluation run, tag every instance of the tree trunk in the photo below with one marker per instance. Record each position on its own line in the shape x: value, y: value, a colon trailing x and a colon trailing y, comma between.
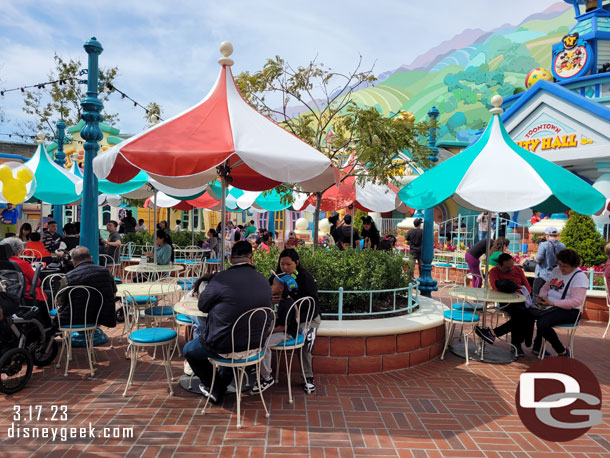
x: 316, y: 220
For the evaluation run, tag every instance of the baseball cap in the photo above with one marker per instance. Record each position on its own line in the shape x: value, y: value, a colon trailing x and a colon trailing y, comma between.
x: 551, y: 231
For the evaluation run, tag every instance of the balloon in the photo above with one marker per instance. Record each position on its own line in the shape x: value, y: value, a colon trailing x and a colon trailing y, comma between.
x: 14, y: 189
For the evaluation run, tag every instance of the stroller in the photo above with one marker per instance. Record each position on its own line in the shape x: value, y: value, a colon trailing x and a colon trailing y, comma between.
x: 23, y: 339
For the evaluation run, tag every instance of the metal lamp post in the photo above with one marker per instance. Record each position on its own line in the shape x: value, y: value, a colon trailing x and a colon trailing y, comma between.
x: 60, y: 159
x: 427, y: 284
x: 92, y: 134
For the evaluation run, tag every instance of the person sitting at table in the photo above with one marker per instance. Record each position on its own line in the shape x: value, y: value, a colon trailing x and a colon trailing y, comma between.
x: 508, y: 277
x: 86, y: 273
x: 225, y: 299
x: 289, y: 263
x: 51, y: 237
x: 24, y: 232
x: 473, y: 259
x: 36, y: 244
x: 499, y: 246
x: 279, y: 295
x: 565, y: 293
x: 164, y: 249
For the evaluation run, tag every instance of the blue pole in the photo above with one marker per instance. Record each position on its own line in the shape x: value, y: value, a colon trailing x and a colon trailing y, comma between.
x: 427, y: 284
x: 60, y: 159
x: 92, y: 134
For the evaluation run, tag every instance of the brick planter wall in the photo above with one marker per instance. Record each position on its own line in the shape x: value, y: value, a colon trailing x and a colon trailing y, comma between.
x: 369, y: 355
x: 595, y: 309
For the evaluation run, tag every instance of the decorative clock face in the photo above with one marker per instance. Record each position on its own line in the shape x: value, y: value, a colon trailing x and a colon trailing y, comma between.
x: 571, y: 62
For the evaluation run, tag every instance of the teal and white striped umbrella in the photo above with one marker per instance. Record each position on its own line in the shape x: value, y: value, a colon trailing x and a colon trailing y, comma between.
x: 495, y: 174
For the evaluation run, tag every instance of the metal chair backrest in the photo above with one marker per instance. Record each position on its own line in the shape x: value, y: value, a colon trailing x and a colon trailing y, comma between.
x: 303, y: 321
x: 80, y: 296
x: 131, y: 311
x: 257, y: 333
x: 607, y: 292
x: 52, y: 283
x: 31, y: 255
x: 149, y: 273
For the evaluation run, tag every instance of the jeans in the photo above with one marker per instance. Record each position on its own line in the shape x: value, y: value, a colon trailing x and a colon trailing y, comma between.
x: 520, y: 325
x: 274, y: 339
x: 545, y: 327
x: 482, y: 235
x: 307, y: 357
x: 197, y: 356
x: 538, y: 284
x: 475, y: 269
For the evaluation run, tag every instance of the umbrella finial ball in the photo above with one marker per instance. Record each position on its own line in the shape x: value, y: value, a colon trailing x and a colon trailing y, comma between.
x: 226, y: 49
x: 40, y: 138
x: 497, y: 100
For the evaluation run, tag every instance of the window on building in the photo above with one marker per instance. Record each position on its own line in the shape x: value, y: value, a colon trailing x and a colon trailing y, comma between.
x: 262, y: 220
x: 280, y: 221
x: 293, y: 219
x: 106, y: 214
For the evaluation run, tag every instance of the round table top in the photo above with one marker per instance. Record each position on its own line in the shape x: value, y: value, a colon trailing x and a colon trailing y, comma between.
x: 188, y: 306
x: 154, y: 268
x: 144, y: 289
x: 485, y: 295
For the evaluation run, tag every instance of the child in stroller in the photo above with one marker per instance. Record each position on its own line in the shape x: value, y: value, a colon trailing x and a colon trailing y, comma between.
x: 23, y: 339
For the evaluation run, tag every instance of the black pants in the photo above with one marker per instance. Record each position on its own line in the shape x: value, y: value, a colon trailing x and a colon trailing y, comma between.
x: 520, y: 325
x: 545, y: 323
x: 537, y: 286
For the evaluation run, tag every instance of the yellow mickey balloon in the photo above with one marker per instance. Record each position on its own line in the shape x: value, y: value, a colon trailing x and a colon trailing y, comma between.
x: 14, y: 189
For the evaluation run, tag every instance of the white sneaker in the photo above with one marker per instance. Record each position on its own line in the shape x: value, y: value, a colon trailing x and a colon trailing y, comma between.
x: 265, y: 383
x: 187, y: 368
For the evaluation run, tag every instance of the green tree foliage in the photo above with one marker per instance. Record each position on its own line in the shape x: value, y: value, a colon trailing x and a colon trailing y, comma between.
x: 354, y: 270
x: 61, y: 100
x: 331, y: 121
x: 580, y: 235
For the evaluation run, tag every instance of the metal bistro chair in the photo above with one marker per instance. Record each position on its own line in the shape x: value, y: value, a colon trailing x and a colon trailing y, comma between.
x: 290, y: 344
x: 108, y: 262
x: 211, y: 266
x: 608, y: 305
x: 453, y: 317
x: 258, y: 340
x: 31, y: 255
x: 50, y: 286
x: 571, y: 327
x: 141, y: 339
x: 81, y: 301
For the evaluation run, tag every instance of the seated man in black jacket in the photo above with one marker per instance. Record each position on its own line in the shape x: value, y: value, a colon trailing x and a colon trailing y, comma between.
x: 229, y: 294
x: 86, y: 273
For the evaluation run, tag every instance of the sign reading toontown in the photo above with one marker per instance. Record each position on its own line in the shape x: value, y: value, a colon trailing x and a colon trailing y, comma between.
x: 550, y: 136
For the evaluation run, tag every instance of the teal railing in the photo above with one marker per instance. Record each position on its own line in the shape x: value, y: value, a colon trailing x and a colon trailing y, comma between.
x: 410, y: 292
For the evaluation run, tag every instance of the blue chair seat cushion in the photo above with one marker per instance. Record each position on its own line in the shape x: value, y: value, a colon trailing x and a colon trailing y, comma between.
x: 152, y: 335
x: 443, y: 264
x: 184, y: 318
x: 466, y: 306
x: 187, y: 283
x: 164, y: 310
x: 251, y: 359
x: 289, y: 343
x: 53, y: 312
x: 117, y: 280
x: 142, y: 300
x: 213, y: 261
x: 460, y: 315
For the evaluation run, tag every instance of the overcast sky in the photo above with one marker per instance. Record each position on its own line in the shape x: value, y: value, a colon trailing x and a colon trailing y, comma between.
x: 166, y: 50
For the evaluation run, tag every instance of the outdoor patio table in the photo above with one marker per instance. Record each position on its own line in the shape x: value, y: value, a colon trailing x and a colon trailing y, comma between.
x: 155, y: 268
x: 145, y: 289
x: 188, y: 306
x: 489, y: 353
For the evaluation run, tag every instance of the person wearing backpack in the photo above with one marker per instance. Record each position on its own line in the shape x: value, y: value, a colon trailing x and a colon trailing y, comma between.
x: 563, y: 296
x: 546, y: 259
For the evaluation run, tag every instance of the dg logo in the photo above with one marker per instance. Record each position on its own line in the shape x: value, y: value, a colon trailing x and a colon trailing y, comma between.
x: 559, y: 399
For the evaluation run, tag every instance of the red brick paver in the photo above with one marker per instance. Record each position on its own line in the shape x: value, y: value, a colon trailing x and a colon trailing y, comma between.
x: 437, y: 409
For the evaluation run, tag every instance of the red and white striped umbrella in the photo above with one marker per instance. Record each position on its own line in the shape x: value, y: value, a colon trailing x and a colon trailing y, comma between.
x: 220, y: 131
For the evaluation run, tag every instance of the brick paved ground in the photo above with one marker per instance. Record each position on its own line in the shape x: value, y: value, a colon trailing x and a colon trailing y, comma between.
x: 441, y: 408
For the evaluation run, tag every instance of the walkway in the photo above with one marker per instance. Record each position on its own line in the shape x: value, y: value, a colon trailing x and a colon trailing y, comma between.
x: 438, y: 409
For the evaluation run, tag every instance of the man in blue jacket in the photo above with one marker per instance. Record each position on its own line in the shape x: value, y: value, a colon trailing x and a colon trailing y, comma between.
x: 227, y: 296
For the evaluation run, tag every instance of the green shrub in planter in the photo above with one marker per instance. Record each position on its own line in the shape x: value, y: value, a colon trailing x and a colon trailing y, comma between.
x: 580, y: 235
x: 183, y: 238
x: 354, y: 270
